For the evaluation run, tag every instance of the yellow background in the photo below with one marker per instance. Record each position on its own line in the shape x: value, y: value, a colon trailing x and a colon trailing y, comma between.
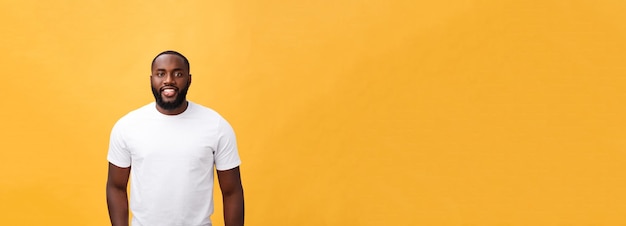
x: 348, y: 112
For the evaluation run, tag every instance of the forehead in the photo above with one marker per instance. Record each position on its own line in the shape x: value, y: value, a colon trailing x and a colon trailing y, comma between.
x: 168, y: 61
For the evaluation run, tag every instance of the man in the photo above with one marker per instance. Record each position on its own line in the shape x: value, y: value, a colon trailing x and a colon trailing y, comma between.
x: 168, y: 149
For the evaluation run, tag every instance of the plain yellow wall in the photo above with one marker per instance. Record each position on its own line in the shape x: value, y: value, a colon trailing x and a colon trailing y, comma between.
x: 347, y: 112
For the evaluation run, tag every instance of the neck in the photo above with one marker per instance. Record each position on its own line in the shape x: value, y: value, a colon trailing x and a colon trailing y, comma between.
x: 175, y: 111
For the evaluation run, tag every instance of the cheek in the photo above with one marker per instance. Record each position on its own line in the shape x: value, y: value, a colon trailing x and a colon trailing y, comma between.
x: 183, y: 83
x: 155, y: 82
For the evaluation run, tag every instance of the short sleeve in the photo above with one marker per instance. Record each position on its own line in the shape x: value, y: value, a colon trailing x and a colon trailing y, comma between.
x: 118, y: 152
x: 226, y: 155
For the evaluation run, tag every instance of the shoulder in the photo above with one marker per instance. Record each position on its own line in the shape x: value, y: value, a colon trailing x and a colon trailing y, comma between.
x: 210, y: 116
x: 136, y: 114
x: 204, y: 111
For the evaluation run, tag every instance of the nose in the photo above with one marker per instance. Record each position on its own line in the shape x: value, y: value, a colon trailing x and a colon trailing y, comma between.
x: 169, y: 79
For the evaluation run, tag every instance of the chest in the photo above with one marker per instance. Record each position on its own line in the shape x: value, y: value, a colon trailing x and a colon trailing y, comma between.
x: 165, y: 141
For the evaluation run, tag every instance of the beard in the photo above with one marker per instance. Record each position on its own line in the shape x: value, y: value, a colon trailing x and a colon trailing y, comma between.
x: 180, y: 99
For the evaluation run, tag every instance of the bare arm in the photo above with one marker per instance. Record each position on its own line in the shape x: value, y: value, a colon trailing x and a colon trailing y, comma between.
x: 232, y: 193
x: 117, y: 197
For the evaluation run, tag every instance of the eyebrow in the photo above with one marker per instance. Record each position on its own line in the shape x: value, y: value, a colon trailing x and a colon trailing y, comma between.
x: 175, y: 69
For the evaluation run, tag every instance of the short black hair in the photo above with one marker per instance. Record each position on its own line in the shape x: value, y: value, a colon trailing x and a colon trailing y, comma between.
x: 171, y: 52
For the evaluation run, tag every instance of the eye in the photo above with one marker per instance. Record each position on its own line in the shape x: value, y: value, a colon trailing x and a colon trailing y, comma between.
x: 160, y: 74
x: 178, y: 74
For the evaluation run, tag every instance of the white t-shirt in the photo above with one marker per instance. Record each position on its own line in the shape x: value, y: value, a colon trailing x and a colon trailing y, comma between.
x: 172, y: 158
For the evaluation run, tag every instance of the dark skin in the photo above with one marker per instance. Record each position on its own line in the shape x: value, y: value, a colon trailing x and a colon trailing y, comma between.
x: 117, y: 197
x: 232, y: 195
x: 170, y: 71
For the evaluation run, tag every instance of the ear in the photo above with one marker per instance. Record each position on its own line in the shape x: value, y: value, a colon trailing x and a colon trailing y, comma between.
x: 189, y: 82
